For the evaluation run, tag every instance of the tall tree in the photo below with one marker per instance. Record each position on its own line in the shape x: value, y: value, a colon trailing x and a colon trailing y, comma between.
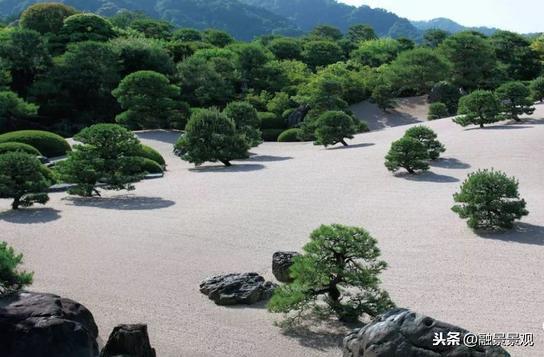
x: 515, y: 98
x: 514, y: 52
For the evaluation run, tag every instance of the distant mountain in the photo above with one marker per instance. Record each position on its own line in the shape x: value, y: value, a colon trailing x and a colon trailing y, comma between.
x: 241, y: 20
x: 450, y: 26
x: 309, y: 13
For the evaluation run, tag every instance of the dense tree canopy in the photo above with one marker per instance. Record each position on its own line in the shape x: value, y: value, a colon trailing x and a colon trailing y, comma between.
x: 46, y: 17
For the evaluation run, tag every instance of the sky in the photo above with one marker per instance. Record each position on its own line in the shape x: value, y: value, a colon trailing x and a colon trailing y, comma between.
x: 514, y: 15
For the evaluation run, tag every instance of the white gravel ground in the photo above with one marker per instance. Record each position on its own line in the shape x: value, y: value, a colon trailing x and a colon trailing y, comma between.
x: 139, y: 257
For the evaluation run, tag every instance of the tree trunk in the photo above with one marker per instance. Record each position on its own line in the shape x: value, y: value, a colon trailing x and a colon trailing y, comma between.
x: 97, y: 193
x: 16, y: 203
x: 226, y: 163
x: 410, y: 170
x: 344, y: 142
x: 482, y: 126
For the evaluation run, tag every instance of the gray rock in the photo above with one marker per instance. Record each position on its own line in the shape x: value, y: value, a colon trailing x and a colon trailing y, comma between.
x: 45, y: 325
x: 128, y: 341
x: 401, y: 332
x: 281, y: 263
x: 298, y: 115
x: 234, y: 289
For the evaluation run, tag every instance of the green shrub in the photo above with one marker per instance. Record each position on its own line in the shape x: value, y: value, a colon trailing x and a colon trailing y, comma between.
x: 437, y: 110
x: 478, y: 108
x: 271, y: 134
x: 148, y: 152
x: 11, y: 147
x: 337, y: 274
x: 290, y: 135
x: 10, y: 277
x: 151, y: 167
x: 49, y: 144
x: 489, y: 200
x: 334, y: 127
x: 447, y: 93
x: 427, y: 137
x: 22, y: 179
x: 361, y: 126
x: 271, y: 121
x: 409, y: 154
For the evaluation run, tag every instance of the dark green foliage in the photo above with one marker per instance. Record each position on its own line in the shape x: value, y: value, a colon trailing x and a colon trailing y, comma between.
x: 514, y: 52
x: 437, y: 110
x: 286, y: 48
x: 138, y: 54
x: 49, y: 144
x: 537, y: 89
x: 247, y: 121
x: 326, y: 32
x: 478, y: 108
x: 447, y: 93
x: 334, y: 127
x: 218, y: 38
x: 109, y: 154
x: 490, y: 200
x: 407, y: 153
x: 428, y: 138
x: 212, y: 136
x: 473, y: 60
x: 46, y: 17
x: 319, y: 53
x: 12, y: 147
x: 338, y: 274
x: 22, y: 179
x: 361, y: 33
x: 290, y: 135
x: 271, y: 134
x: 515, y: 99
x: 271, y: 121
x: 13, y: 108
x: 151, y: 28
x: 11, y: 278
x: 87, y: 27
x: 187, y: 35
x: 434, y: 37
x: 374, y: 53
x: 383, y: 95
x: 151, y: 167
x: 148, y: 152
x: 149, y: 101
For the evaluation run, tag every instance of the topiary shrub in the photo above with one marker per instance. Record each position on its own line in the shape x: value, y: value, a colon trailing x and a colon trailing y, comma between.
x: 337, y: 274
x: 447, y: 93
x: 427, y: 137
x: 478, y: 108
x: 22, y: 179
x: 334, y: 127
x: 271, y: 121
x: 247, y: 121
x: 361, y: 126
x: 409, y: 154
x: 290, y: 135
x: 12, y: 279
x: 516, y: 99
x: 149, y: 153
x: 11, y: 147
x: 49, y: 144
x: 489, y: 199
x: 151, y: 167
x: 437, y: 110
x: 271, y: 134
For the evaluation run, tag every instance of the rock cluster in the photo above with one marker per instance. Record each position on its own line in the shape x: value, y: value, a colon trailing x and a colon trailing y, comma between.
x: 233, y: 289
x: 281, y: 263
x: 401, y: 332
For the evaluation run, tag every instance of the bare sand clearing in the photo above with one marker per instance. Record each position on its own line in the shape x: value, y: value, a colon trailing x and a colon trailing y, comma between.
x: 407, y: 111
x: 139, y: 257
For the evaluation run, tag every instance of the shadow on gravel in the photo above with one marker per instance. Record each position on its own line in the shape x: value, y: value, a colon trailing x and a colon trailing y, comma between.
x: 269, y: 158
x: 225, y: 169
x: 450, y: 163
x: 123, y: 203
x: 30, y: 215
x: 427, y: 177
x: 354, y: 146
x: 523, y: 233
x: 328, y: 335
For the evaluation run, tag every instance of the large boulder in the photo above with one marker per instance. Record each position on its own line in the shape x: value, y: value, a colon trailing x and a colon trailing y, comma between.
x: 128, y: 341
x: 234, y: 289
x: 45, y: 325
x: 401, y: 332
x: 298, y: 115
x: 281, y: 263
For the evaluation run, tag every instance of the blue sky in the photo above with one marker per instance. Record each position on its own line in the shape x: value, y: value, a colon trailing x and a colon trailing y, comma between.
x: 514, y: 15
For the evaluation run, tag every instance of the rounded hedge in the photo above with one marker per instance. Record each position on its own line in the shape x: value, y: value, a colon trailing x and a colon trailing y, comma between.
x: 290, y: 135
x: 149, y: 153
x: 271, y: 121
x: 437, y: 110
x: 11, y: 147
x: 151, y: 167
x: 271, y: 134
x: 49, y: 144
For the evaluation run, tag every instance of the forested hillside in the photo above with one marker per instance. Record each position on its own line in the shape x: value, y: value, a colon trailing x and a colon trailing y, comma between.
x: 451, y: 26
